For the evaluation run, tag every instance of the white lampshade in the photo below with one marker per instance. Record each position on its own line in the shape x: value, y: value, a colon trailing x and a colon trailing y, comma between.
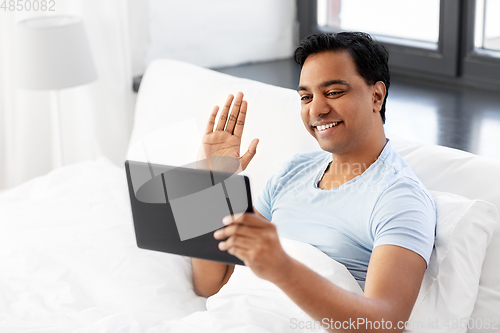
x: 53, y: 53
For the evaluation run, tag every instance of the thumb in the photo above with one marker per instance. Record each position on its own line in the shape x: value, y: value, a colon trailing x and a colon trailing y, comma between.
x: 247, y: 157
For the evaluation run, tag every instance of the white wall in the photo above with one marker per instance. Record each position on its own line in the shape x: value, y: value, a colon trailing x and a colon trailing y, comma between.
x: 220, y: 33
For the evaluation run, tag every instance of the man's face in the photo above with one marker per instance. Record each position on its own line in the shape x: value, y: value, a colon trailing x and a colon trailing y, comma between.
x: 332, y: 92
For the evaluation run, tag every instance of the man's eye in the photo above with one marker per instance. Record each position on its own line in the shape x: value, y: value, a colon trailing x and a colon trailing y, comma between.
x: 304, y: 98
x: 333, y: 93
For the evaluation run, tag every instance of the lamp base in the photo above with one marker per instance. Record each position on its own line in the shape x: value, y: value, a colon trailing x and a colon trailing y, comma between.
x: 57, y: 147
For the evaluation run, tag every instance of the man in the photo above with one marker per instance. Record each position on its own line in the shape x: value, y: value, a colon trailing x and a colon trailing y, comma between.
x: 365, y: 207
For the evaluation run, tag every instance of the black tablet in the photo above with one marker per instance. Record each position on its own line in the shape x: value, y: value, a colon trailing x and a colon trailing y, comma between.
x: 177, y: 209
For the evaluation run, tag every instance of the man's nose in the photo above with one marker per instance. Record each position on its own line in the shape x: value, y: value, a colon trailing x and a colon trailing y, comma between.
x: 319, y: 107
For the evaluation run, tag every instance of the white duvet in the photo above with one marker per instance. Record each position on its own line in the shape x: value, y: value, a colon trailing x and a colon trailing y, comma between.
x: 69, y: 263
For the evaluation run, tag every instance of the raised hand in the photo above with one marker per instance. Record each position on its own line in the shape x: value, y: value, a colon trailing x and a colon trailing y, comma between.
x: 221, y: 146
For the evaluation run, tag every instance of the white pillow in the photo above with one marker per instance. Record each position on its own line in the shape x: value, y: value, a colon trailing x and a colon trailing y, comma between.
x: 450, y: 285
x: 475, y: 177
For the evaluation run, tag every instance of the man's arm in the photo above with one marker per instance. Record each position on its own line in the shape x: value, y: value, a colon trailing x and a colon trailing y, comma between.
x: 391, y: 289
x: 223, y: 140
x: 209, y: 276
x: 392, y: 282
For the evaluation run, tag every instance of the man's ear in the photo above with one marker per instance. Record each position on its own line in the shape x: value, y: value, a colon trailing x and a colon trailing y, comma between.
x: 379, y: 92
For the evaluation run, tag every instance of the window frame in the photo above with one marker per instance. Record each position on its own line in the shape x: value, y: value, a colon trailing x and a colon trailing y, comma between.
x: 477, y: 64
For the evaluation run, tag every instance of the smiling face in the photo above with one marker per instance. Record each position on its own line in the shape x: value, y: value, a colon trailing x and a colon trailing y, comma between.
x: 339, y: 109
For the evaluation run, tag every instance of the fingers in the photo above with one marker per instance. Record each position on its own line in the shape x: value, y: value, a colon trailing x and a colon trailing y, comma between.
x: 223, y: 115
x: 238, y: 102
x: 236, y: 241
x: 246, y: 220
x: 237, y: 235
x: 234, y: 229
x: 240, y: 122
x: 247, y: 157
x: 233, y: 120
x: 211, y: 120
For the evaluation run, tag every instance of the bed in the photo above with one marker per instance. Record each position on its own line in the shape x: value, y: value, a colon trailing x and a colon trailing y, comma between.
x: 69, y: 262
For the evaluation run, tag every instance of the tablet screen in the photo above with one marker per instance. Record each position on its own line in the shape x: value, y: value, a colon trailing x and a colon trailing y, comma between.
x: 177, y: 209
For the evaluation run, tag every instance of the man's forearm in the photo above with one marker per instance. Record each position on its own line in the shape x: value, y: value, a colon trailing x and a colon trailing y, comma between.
x: 209, y: 276
x: 322, y: 299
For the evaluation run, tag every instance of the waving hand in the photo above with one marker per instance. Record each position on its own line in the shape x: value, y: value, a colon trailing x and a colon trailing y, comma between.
x: 221, y: 146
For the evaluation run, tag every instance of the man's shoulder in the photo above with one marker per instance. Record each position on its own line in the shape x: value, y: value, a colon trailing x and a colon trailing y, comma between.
x: 396, y: 166
x: 401, y: 178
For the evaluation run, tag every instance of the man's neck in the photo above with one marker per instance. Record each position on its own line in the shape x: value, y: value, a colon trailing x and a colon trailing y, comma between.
x: 345, y: 167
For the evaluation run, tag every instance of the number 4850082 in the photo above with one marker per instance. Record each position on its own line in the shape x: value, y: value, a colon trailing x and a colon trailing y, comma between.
x: 28, y: 5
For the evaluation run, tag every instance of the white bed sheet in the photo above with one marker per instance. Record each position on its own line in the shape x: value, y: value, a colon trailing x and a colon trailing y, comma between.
x: 69, y: 262
x: 249, y: 304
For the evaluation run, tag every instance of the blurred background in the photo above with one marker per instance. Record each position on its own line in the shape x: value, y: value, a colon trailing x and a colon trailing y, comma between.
x: 444, y: 61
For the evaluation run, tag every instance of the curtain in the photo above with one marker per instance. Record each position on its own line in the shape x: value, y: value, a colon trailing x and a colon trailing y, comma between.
x: 96, y: 118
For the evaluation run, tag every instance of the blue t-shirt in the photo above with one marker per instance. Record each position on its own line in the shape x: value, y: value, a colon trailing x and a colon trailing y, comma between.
x: 386, y: 204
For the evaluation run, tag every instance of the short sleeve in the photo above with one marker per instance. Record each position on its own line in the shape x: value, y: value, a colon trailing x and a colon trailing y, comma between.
x: 264, y: 203
x: 405, y: 215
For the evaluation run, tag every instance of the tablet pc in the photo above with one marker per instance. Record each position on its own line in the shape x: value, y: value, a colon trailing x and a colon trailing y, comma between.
x: 177, y: 209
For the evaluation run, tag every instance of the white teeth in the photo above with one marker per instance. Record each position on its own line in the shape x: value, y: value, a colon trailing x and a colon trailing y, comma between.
x: 323, y: 127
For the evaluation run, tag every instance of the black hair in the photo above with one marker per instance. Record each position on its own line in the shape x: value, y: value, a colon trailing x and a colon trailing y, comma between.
x: 371, y: 58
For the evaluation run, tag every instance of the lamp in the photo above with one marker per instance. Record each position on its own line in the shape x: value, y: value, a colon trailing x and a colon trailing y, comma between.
x: 53, y: 53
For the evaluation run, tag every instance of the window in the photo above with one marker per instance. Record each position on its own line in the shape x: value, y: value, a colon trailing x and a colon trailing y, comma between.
x: 487, y: 25
x: 456, y: 41
x: 411, y: 20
